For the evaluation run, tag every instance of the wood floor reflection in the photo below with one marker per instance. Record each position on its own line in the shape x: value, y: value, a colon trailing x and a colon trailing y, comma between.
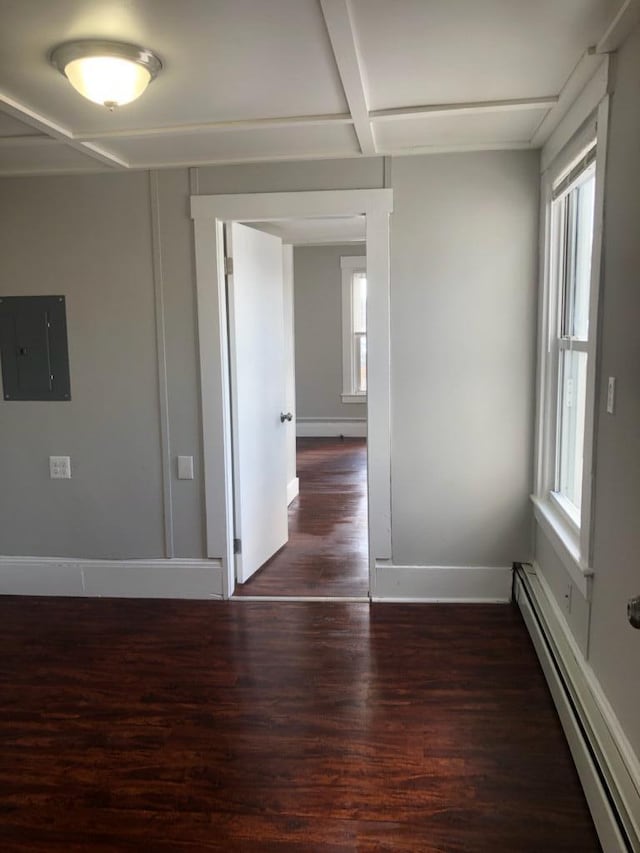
x: 327, y: 552
x: 297, y: 727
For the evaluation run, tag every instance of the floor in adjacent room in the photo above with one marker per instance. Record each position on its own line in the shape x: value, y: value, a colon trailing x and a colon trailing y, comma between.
x: 327, y: 551
x: 249, y: 726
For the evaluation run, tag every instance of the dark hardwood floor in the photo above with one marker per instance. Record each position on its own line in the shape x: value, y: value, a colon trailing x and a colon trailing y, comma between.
x: 176, y: 727
x: 327, y: 551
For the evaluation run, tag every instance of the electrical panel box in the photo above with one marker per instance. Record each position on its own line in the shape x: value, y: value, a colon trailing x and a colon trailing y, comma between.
x: 33, y: 348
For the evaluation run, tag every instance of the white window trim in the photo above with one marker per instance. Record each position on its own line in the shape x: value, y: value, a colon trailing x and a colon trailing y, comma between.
x: 349, y: 264
x: 573, y: 544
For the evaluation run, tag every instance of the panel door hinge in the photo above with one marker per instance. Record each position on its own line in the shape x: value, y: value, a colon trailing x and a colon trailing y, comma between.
x: 228, y: 266
x: 237, y: 546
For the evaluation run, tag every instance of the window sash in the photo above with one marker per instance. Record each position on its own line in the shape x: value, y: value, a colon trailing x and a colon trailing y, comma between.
x: 354, y: 333
x: 572, y: 276
x: 359, y: 362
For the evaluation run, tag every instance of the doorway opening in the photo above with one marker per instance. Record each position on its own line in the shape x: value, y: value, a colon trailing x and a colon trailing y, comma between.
x: 210, y: 213
x: 324, y: 407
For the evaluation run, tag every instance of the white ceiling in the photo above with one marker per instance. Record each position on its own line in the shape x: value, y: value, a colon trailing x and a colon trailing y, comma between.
x: 319, y: 232
x: 252, y: 80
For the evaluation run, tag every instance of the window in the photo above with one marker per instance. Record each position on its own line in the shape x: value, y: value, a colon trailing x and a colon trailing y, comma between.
x: 572, y: 243
x: 572, y: 196
x: 354, y: 329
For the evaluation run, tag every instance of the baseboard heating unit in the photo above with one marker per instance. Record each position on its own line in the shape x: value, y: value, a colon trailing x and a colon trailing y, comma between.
x: 605, y: 767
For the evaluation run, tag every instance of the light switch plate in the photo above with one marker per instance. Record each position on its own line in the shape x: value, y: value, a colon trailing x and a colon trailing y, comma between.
x: 185, y: 467
x: 60, y: 467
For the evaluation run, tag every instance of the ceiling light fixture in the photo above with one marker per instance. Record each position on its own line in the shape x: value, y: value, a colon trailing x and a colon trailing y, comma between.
x: 109, y: 73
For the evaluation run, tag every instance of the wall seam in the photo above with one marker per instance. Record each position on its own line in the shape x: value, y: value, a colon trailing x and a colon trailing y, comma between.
x: 161, y: 353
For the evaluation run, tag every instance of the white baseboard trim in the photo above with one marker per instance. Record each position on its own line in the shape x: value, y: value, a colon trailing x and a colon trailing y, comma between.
x: 472, y: 584
x: 156, y: 578
x: 293, y: 489
x: 606, y: 763
x: 328, y: 427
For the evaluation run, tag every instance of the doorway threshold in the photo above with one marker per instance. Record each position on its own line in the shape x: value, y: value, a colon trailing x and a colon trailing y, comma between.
x: 341, y: 599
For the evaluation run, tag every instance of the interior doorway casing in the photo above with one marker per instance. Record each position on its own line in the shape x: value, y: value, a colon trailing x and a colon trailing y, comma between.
x: 209, y: 213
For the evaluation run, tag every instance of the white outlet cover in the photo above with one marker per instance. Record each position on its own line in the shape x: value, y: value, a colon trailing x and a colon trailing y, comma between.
x: 60, y: 467
x: 185, y: 467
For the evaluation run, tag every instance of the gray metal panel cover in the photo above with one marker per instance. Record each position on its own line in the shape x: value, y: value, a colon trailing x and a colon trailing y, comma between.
x: 33, y: 348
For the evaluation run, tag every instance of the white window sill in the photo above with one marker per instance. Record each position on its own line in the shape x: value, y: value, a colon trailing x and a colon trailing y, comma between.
x: 354, y: 398
x: 565, y: 540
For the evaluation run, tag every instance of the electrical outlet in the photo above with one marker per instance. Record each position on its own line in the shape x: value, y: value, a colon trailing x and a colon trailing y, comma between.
x: 567, y: 597
x: 60, y: 467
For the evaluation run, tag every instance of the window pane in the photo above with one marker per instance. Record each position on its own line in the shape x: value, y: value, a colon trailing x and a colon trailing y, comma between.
x: 573, y: 378
x: 360, y: 363
x: 578, y: 270
x: 359, y: 302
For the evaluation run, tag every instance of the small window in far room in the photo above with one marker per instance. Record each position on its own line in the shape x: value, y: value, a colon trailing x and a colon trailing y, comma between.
x: 354, y: 329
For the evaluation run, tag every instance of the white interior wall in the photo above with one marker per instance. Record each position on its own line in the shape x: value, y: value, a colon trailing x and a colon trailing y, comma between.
x: 463, y: 239
x: 318, y: 319
x: 463, y: 305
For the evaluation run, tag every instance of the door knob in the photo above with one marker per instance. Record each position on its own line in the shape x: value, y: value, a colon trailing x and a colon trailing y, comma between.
x: 633, y: 611
x: 285, y: 416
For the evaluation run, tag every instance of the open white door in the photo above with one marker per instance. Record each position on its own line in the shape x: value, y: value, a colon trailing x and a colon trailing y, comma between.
x: 258, y: 395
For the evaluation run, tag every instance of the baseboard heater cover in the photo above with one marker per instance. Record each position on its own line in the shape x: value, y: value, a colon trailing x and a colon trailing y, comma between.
x: 613, y: 823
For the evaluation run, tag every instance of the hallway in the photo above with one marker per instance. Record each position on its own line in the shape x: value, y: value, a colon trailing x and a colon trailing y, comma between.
x: 327, y: 550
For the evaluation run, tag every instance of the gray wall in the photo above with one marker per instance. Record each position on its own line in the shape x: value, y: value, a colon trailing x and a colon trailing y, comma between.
x: 318, y: 323
x: 463, y: 238
x: 87, y: 237
x: 613, y: 646
x: 463, y: 303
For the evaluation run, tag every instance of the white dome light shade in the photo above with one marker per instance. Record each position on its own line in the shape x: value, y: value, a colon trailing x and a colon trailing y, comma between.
x: 108, y: 80
x: 108, y: 73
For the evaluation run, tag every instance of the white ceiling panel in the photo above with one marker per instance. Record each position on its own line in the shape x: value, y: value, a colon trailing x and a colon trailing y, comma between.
x: 269, y: 143
x: 224, y: 60
x: 307, y: 232
x: 480, y: 129
x: 10, y: 126
x: 255, y: 80
x: 44, y: 157
x: 456, y: 51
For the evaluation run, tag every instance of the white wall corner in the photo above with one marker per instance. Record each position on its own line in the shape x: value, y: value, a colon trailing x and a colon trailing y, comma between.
x: 486, y: 584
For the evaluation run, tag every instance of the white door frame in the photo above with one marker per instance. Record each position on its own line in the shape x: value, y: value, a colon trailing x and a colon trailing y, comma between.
x: 209, y: 213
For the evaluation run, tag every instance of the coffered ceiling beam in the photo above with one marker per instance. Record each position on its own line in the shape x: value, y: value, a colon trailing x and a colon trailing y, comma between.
x: 218, y: 127
x: 337, y: 16
x: 469, y: 108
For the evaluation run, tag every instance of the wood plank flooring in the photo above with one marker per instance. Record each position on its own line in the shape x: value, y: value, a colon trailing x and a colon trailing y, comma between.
x: 327, y: 552
x: 175, y: 727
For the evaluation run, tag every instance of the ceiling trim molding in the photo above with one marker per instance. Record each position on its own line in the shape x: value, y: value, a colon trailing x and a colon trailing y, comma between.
x: 587, y: 66
x: 457, y: 149
x: 337, y: 17
x: 218, y: 127
x: 620, y: 27
x: 236, y: 161
x: 58, y: 132
x: 469, y: 108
